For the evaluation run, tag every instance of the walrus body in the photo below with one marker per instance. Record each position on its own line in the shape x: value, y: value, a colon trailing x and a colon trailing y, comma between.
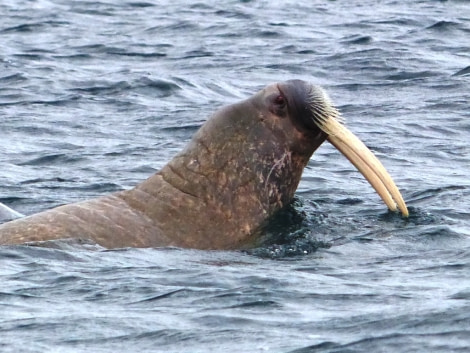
x: 240, y: 168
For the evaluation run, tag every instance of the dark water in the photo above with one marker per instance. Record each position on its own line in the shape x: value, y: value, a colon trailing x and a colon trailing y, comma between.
x: 96, y: 96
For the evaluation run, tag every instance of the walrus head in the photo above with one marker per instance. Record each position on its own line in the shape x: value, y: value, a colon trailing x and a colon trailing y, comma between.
x: 246, y: 161
x: 314, y: 110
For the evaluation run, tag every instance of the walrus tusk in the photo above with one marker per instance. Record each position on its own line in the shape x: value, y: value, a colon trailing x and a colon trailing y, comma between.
x: 365, y: 161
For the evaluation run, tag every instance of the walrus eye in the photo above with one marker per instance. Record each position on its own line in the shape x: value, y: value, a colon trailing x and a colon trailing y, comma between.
x: 280, y: 101
x: 277, y: 104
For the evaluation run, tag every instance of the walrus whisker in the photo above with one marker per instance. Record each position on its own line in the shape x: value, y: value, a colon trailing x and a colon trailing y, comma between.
x: 321, y: 107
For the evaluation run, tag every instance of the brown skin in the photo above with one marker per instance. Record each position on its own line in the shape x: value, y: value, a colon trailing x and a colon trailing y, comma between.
x: 241, y: 167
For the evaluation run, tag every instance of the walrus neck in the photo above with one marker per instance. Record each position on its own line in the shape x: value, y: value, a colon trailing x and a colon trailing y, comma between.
x: 247, y: 169
x: 223, y: 187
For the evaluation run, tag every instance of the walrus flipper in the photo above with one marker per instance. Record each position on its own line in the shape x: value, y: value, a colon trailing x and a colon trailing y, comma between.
x: 8, y: 214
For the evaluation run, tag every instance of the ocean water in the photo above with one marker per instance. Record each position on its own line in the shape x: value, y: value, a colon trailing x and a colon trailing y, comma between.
x: 97, y: 96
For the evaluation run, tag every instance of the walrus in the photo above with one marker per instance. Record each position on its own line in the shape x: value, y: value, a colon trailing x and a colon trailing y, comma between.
x: 240, y: 168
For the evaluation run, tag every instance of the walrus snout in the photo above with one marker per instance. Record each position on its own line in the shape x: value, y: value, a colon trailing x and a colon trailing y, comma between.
x: 309, y: 104
x: 312, y: 109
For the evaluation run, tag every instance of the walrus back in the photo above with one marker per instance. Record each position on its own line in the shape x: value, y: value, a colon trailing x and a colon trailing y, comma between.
x: 107, y: 221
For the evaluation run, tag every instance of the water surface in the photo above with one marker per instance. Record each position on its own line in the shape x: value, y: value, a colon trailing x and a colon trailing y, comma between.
x: 96, y: 96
